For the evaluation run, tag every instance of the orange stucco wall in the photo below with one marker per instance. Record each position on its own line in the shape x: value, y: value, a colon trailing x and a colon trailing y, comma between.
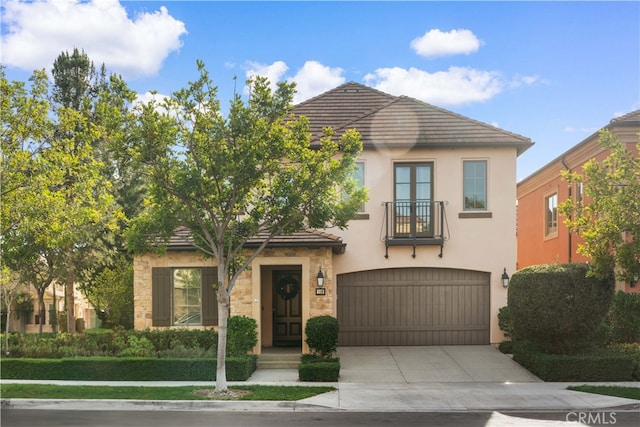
x: 562, y: 247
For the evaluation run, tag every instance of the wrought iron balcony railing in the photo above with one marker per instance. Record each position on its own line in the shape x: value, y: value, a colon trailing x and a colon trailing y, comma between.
x: 414, y: 223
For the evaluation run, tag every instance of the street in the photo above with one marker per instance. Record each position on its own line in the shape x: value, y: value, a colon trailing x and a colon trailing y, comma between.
x: 158, y: 418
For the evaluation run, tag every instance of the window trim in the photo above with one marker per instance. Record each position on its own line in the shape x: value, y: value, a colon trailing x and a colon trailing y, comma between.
x: 486, y: 186
x: 363, y: 209
x: 189, y: 307
x: 413, y: 165
x: 548, y: 232
x: 579, y: 192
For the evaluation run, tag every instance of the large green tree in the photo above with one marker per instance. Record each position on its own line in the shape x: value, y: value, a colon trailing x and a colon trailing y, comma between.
x: 26, y: 129
x: 95, y: 107
x: 105, y: 101
x: 608, y: 216
x: 57, y: 202
x: 231, y: 177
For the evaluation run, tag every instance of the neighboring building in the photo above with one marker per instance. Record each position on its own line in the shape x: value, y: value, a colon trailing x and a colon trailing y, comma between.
x: 420, y: 265
x: 543, y: 238
x: 29, y: 321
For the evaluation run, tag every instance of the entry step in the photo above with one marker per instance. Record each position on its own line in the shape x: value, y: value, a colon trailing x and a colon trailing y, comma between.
x: 278, y: 361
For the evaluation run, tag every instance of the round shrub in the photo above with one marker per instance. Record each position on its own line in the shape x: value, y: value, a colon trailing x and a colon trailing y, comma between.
x: 558, y: 306
x: 322, y: 335
x: 504, y: 322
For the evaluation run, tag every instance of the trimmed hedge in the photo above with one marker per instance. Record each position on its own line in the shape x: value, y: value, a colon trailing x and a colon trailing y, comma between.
x: 126, y: 369
x: 317, y: 368
x: 558, y: 306
x: 633, y: 350
x: 319, y: 371
x: 596, y: 366
x: 314, y: 358
x: 170, y: 343
x: 623, y: 320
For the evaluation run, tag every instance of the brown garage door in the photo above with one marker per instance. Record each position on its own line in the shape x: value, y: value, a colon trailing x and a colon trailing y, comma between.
x: 413, y: 306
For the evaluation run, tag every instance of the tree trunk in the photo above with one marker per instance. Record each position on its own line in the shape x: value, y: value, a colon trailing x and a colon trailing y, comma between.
x: 53, y: 318
x: 41, y: 310
x: 6, y: 327
x: 69, y: 298
x: 223, y: 317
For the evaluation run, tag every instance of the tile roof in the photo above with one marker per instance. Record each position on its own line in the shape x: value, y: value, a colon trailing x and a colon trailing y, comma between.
x: 629, y: 119
x: 400, y: 121
x: 343, y: 104
x: 181, y: 240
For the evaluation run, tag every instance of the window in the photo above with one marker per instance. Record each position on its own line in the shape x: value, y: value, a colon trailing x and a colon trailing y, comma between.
x: 551, y: 214
x: 184, y: 296
x: 475, y: 185
x: 413, y: 200
x: 187, y: 289
x: 579, y: 192
x: 358, y: 175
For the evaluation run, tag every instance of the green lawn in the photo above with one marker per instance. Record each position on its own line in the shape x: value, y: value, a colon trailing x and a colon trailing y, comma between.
x: 255, y: 392
x: 627, y: 392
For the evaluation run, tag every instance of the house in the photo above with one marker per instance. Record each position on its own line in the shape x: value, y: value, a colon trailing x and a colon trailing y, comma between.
x: 422, y: 263
x: 28, y: 321
x: 543, y: 238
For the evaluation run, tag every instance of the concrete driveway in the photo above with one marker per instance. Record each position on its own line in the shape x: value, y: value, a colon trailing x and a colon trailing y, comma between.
x: 464, y: 363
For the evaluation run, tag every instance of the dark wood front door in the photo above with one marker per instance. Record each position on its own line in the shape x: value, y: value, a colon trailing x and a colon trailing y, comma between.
x: 287, y: 308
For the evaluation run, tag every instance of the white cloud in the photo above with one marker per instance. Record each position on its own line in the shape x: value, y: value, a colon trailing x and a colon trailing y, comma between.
x: 519, y: 80
x: 632, y: 107
x: 147, y: 97
x: 314, y: 78
x: 456, y: 86
x: 37, y: 32
x: 435, y: 43
x: 274, y: 72
x: 573, y: 129
x: 311, y: 80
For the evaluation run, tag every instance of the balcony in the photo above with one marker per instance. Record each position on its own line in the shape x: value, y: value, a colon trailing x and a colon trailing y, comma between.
x: 414, y: 223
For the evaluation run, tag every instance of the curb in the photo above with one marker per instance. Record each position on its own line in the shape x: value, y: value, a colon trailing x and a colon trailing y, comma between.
x: 252, y: 406
x: 162, y: 405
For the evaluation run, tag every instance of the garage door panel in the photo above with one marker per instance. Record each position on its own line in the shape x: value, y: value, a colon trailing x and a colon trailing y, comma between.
x: 413, y: 306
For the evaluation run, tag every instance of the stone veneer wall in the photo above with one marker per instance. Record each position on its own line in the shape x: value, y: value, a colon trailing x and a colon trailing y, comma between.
x: 243, y: 295
x: 319, y: 257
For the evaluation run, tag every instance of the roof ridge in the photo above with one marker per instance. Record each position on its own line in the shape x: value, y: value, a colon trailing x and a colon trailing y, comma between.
x: 341, y: 87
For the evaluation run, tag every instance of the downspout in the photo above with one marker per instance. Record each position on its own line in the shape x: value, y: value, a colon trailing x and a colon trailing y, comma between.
x: 570, y: 215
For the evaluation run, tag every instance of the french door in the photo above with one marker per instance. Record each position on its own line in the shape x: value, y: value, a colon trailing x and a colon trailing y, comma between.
x: 413, y: 207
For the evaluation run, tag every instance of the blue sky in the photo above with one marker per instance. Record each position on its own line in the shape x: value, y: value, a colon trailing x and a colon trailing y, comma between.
x: 552, y: 71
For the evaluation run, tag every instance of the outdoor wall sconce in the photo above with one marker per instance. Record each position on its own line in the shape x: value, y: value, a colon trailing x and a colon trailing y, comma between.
x: 505, y: 278
x: 320, y: 278
x: 634, y: 280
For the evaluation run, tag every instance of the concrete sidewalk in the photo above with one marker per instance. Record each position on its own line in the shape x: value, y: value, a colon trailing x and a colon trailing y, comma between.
x: 385, y: 379
x: 362, y: 397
